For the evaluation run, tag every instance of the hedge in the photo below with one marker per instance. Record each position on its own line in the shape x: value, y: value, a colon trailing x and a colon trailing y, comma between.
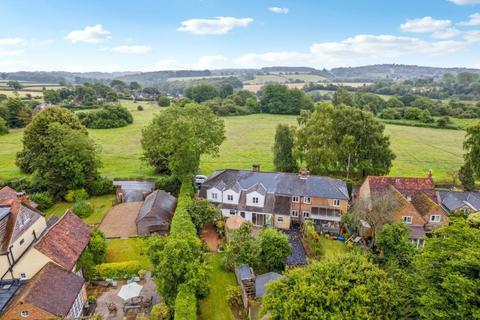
x: 185, y: 304
x: 409, y: 123
x: 118, y: 270
x: 182, y: 225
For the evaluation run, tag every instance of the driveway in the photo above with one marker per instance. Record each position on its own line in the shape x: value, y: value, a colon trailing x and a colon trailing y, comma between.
x: 119, y: 222
x: 298, y: 256
x: 135, y: 190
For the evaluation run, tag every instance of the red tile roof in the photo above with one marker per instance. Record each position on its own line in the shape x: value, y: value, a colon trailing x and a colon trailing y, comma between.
x: 65, y: 241
x: 53, y: 289
x: 408, y: 187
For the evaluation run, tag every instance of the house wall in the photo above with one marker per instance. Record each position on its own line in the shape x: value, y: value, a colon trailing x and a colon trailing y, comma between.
x: 408, y: 210
x: 77, y: 307
x: 14, y: 312
x: 18, y: 249
x: 255, y: 194
x: 364, y: 191
x: 317, y: 202
x: 236, y: 197
x: 143, y: 226
x: 29, y: 264
x: 212, y: 191
x: 279, y: 224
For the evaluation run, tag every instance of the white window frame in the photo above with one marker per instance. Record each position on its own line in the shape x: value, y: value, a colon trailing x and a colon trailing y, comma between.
x: 214, y: 196
x: 407, y: 219
x: 23, y: 276
x: 255, y: 200
x: 435, y: 220
x: 305, y: 200
x: 306, y: 214
x: 24, y: 314
x: 295, y: 199
x: 280, y: 219
x: 230, y: 197
x: 336, y: 202
x: 294, y: 213
x: 233, y: 212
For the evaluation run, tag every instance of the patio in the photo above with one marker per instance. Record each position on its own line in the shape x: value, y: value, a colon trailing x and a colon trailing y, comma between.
x: 109, y: 296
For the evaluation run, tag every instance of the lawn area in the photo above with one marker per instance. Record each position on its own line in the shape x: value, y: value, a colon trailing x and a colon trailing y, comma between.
x: 100, y: 207
x: 215, y: 305
x: 333, y: 248
x: 128, y: 249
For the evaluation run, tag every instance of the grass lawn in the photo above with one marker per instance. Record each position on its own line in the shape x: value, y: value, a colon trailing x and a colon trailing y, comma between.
x: 215, y: 305
x: 333, y: 248
x: 250, y: 140
x: 128, y: 249
x: 100, y: 207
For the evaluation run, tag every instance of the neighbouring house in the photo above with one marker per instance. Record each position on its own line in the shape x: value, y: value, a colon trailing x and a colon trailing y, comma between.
x: 40, y: 107
x: 419, y: 206
x: 278, y: 199
x: 156, y: 213
x: 53, y: 292
x: 465, y: 201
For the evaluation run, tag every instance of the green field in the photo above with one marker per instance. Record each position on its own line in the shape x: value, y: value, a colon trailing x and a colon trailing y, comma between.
x: 249, y: 140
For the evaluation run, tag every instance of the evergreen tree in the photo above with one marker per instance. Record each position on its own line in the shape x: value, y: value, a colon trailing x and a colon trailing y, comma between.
x: 283, y: 149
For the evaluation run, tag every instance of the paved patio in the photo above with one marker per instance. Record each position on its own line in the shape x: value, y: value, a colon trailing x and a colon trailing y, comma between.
x: 108, y: 295
x: 119, y: 222
x: 210, y: 236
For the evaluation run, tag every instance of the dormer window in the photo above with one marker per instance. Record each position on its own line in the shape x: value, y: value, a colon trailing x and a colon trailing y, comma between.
x: 214, y: 195
x: 24, y: 219
x: 230, y: 197
x: 255, y: 200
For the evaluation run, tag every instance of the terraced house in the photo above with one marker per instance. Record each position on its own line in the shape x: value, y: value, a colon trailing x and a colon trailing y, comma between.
x: 278, y: 199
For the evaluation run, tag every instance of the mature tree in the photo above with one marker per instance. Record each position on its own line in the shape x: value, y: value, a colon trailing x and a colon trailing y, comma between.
x: 447, y: 272
x: 333, y: 140
x: 163, y: 101
x: 377, y: 210
x: 201, y: 92
x: 471, y: 145
x: 225, y: 90
x: 368, y: 102
x: 283, y: 149
x: 51, y: 96
x: 18, y: 114
x: 201, y: 211
x: 394, y: 102
x: 3, y: 127
x: 134, y: 85
x: 94, y: 253
x: 279, y: 99
x: 15, y: 85
x: 34, y: 133
x: 465, y: 174
x: 394, y: 243
x: 241, y: 248
x: 118, y: 85
x: 342, y: 96
x: 274, y: 249
x: 346, y: 287
x: 177, y: 137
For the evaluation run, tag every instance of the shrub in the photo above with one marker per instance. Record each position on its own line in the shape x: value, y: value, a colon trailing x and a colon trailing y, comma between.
x: 313, y: 239
x: 76, y: 195
x: 106, y: 118
x: 234, y: 295
x: 160, y: 311
x: 201, y: 212
x: 118, y: 270
x: 443, y: 121
x: 139, y: 108
x: 43, y: 199
x: 163, y: 101
x: 82, y: 208
x: 274, y: 249
x: 185, y: 304
x: 3, y: 127
x: 169, y: 184
x: 101, y: 186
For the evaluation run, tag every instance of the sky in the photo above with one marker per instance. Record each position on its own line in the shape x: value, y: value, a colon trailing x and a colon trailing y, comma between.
x: 147, y: 35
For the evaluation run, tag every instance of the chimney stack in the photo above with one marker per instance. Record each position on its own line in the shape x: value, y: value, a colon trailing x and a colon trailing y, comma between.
x: 256, y: 168
x: 304, y: 173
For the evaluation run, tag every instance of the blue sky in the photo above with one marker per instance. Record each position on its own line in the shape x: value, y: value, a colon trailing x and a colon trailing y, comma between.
x: 197, y: 34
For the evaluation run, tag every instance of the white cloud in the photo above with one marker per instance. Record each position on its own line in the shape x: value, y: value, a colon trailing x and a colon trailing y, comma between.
x: 216, y: 26
x: 212, y: 62
x: 465, y: 2
x: 474, y: 20
x: 274, y: 58
x: 12, y: 41
x: 425, y: 24
x: 278, y: 10
x: 10, y: 53
x: 90, y: 34
x: 446, y: 34
x: 132, y: 49
x: 472, y: 36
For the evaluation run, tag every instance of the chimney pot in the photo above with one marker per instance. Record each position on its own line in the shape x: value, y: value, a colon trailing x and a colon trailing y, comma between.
x: 256, y: 168
x: 304, y: 173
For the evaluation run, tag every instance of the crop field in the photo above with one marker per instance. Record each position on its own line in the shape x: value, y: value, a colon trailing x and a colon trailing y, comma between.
x: 249, y: 139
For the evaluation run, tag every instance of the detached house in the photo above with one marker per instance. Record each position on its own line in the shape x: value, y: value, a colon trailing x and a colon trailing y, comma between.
x: 419, y: 206
x: 278, y: 199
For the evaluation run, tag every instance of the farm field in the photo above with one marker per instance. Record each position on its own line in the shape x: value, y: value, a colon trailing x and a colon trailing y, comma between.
x: 249, y: 140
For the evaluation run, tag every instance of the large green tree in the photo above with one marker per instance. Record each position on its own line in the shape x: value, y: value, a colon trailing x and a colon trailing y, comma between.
x: 274, y: 249
x: 345, y: 287
x: 279, y: 99
x: 18, y: 114
x: 343, y: 140
x: 395, y: 245
x: 446, y: 273
x: 177, y: 137
x: 241, y: 248
x: 201, y: 92
x: 283, y: 158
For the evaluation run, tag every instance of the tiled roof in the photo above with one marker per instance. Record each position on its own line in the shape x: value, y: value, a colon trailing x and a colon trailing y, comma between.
x: 407, y: 186
x: 65, y: 241
x: 53, y: 289
x: 158, y: 204
x: 453, y: 200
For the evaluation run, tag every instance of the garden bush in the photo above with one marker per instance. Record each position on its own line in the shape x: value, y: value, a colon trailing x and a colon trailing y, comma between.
x: 169, y: 184
x: 82, y: 208
x: 234, y: 295
x: 185, y: 304
x: 43, y: 199
x: 160, y: 311
x: 118, y: 270
x: 106, y: 118
x: 101, y: 186
x: 139, y: 108
x: 76, y: 195
x: 313, y: 239
x: 3, y: 127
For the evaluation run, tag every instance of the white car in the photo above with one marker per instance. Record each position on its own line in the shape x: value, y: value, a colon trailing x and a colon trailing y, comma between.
x: 199, y: 179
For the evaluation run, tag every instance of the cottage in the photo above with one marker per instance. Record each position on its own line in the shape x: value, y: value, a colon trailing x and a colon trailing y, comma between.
x: 465, y: 201
x: 156, y: 213
x: 278, y: 199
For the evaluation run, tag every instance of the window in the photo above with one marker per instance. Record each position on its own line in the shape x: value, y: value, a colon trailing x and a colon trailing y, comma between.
x: 294, y: 213
x: 434, y: 218
x: 22, y: 241
x: 296, y: 199
x: 306, y: 200
x: 230, y: 197
x: 306, y: 214
x: 232, y: 212
x: 242, y: 214
x: 279, y: 219
x: 214, y: 196
x: 336, y: 203
x: 24, y: 314
x: 23, y: 276
x: 407, y: 219
x: 255, y: 200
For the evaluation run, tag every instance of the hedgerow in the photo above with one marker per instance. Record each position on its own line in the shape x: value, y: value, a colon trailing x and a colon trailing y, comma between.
x: 108, y: 117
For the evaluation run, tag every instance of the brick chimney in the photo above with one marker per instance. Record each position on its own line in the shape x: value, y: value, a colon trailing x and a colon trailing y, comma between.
x: 304, y: 173
x: 255, y: 167
x: 23, y: 197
